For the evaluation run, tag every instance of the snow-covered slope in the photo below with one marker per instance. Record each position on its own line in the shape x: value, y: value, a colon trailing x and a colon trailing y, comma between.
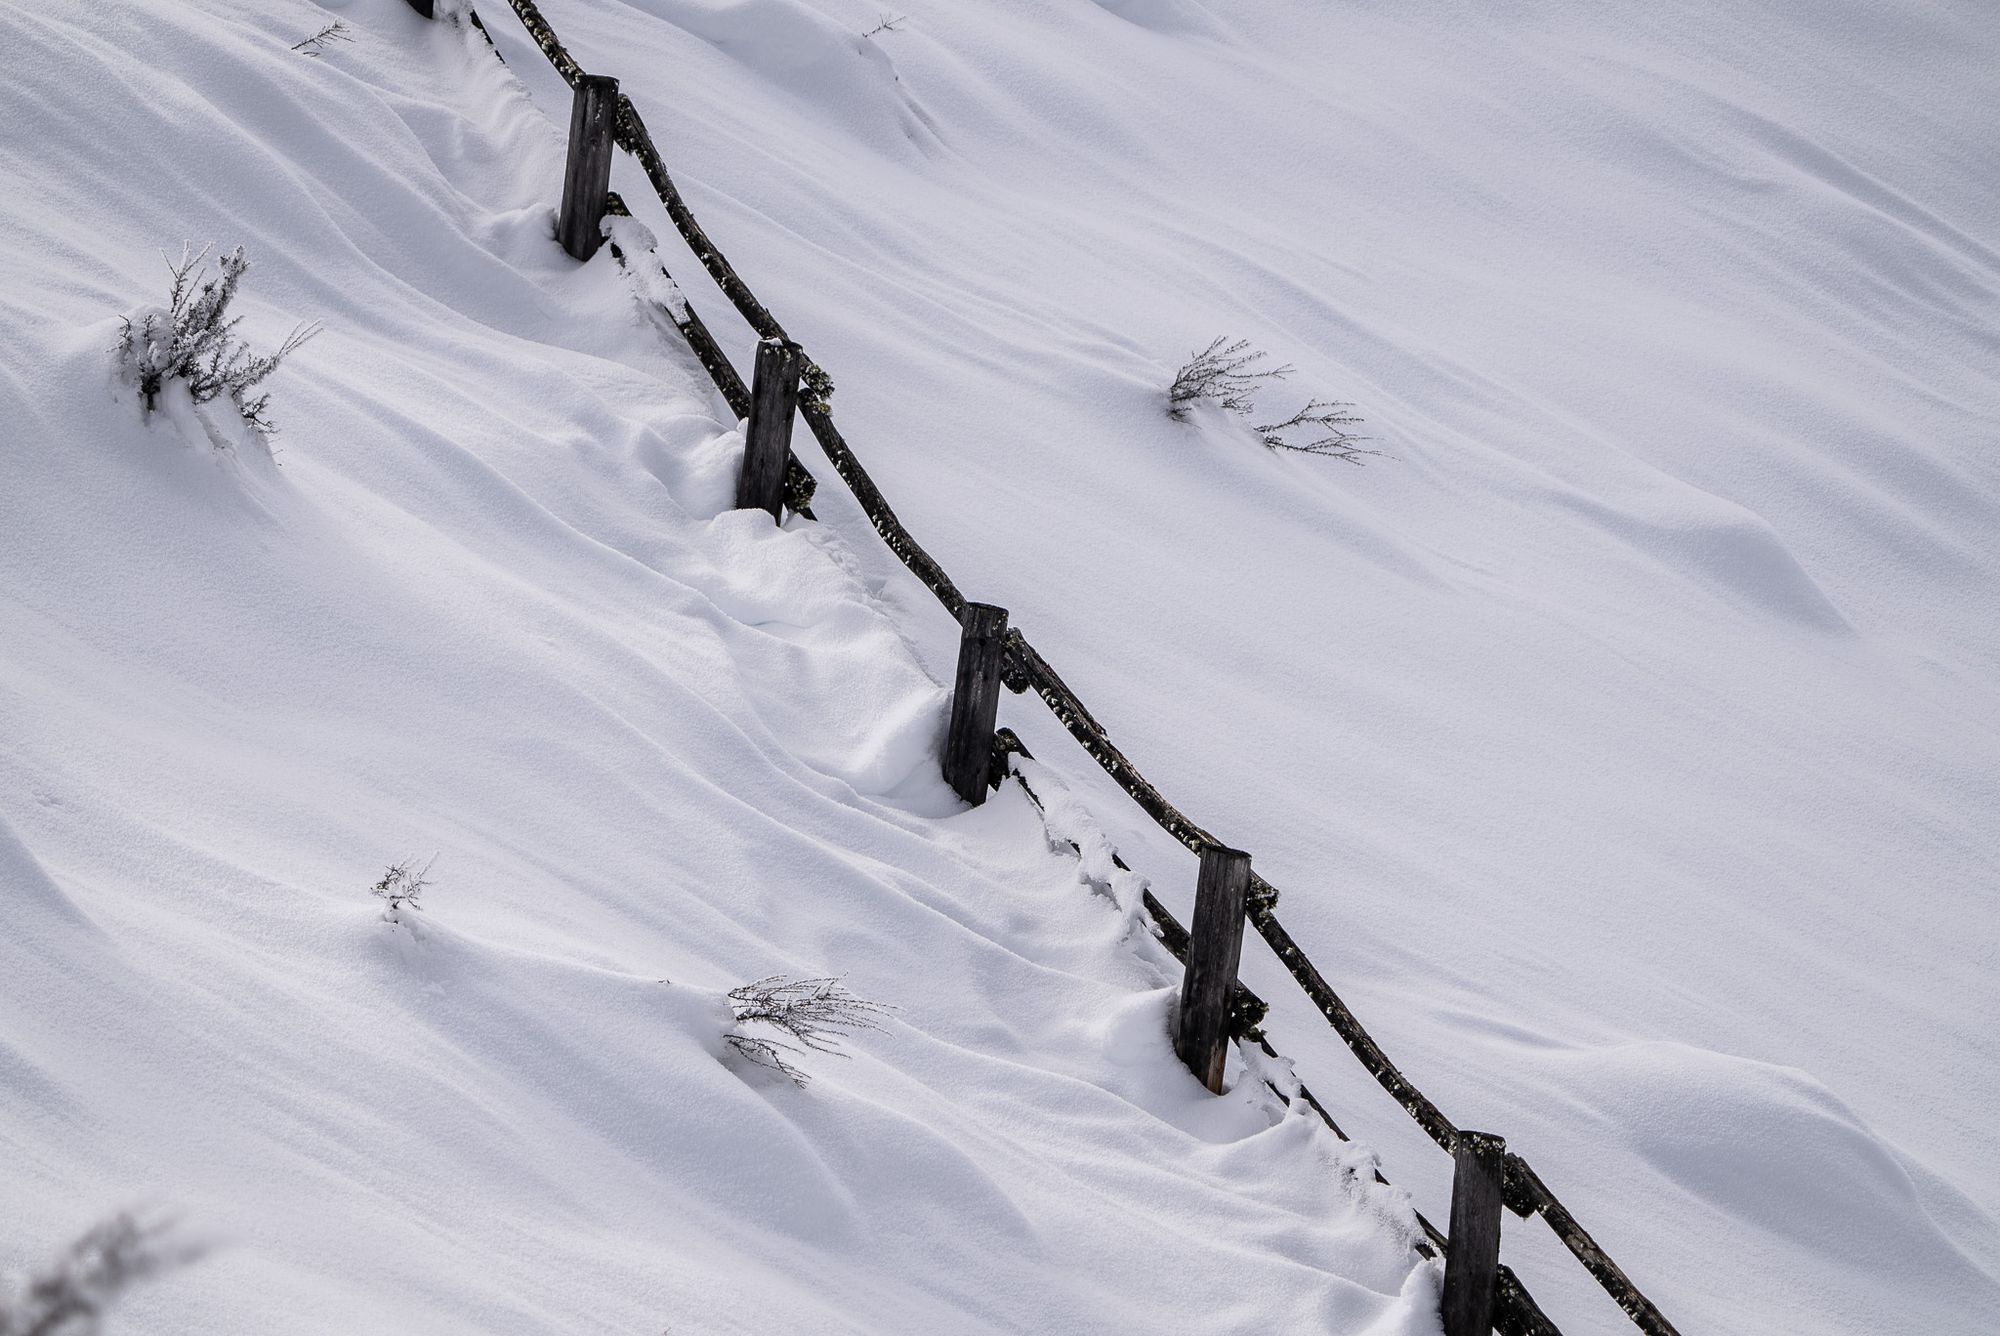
x: 1627, y: 741
x: 1624, y: 741
x: 487, y: 601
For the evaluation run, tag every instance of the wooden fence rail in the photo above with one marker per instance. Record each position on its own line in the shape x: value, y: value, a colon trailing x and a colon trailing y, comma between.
x: 1480, y: 1293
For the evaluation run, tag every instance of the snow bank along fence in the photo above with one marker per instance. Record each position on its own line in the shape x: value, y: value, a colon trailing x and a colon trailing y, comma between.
x: 1480, y: 1294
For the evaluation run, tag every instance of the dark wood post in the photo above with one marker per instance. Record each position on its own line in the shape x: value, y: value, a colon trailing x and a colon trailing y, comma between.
x: 975, y: 701
x: 423, y: 7
x: 1215, y: 949
x: 587, y: 175
x: 767, y: 442
x: 1472, y: 1252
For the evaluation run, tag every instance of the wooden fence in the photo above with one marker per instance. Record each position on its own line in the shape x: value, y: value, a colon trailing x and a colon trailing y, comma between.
x: 1480, y: 1294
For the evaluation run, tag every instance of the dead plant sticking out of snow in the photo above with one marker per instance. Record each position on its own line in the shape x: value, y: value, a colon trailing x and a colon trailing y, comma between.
x: 1221, y: 373
x: 1227, y: 374
x: 813, y: 1014
x: 70, y: 1295
x: 402, y: 886
x: 317, y: 44
x: 194, y: 341
x: 1325, y: 421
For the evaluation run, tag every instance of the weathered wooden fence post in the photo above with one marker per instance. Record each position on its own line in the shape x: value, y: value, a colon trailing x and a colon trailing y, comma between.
x: 1215, y: 949
x: 1472, y: 1253
x: 975, y: 701
x: 767, y: 443
x: 587, y: 174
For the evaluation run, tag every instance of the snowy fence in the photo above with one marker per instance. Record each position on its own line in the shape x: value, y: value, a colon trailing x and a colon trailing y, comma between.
x: 1479, y: 1293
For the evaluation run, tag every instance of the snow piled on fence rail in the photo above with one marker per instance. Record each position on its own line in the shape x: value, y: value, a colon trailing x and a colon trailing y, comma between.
x: 1628, y: 741
x: 487, y: 603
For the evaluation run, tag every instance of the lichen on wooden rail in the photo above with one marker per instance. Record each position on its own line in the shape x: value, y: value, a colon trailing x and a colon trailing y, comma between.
x: 545, y: 38
x: 876, y: 507
x: 1032, y: 672
x: 632, y: 135
x: 1608, y: 1274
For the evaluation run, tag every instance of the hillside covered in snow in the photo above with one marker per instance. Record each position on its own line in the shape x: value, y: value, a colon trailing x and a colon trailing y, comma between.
x: 1623, y: 735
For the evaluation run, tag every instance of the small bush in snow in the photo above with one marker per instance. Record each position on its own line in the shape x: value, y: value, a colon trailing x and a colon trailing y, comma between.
x: 1220, y: 373
x: 812, y: 1013
x: 194, y: 341
x: 402, y: 885
x: 70, y: 1295
x: 1227, y: 374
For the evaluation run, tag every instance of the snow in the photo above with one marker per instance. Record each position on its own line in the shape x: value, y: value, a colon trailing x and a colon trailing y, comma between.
x: 486, y: 600
x: 1624, y: 741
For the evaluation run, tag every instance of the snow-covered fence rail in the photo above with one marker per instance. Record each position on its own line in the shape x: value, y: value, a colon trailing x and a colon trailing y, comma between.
x: 1479, y: 1292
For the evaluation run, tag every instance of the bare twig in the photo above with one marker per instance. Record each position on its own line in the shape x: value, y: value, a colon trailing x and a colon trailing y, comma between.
x: 316, y: 44
x: 1327, y: 416
x: 889, y: 23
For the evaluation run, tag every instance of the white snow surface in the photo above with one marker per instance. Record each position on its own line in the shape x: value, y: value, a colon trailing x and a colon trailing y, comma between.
x: 1627, y: 741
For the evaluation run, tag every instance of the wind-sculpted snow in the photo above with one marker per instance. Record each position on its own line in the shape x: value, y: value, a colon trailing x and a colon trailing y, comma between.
x: 1623, y: 740
x: 1642, y: 694
x: 486, y: 602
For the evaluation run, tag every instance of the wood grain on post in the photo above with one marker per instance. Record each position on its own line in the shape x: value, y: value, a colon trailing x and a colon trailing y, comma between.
x: 767, y: 442
x: 1215, y: 949
x: 587, y: 174
x: 1472, y: 1252
x: 975, y: 701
